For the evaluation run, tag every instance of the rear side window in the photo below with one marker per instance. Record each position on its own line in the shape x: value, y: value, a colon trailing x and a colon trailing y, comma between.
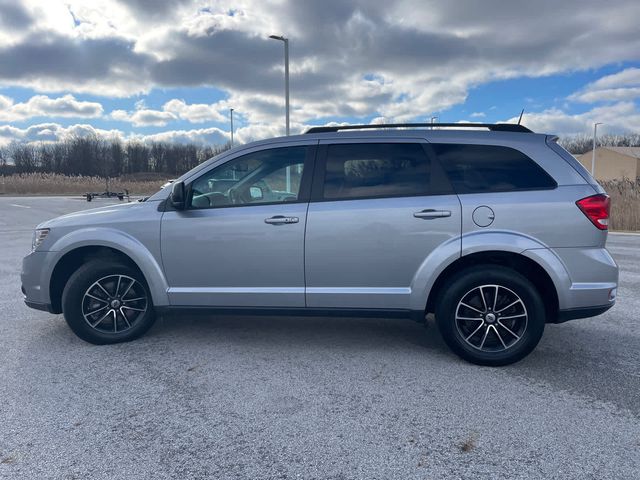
x: 369, y: 170
x: 573, y: 161
x: 491, y: 168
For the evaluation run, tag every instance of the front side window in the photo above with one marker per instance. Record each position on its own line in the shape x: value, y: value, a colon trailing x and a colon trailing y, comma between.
x: 369, y: 170
x: 490, y: 168
x: 267, y: 176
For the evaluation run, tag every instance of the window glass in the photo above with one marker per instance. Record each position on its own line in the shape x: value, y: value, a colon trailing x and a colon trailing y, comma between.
x: 490, y: 168
x: 268, y: 176
x: 363, y: 170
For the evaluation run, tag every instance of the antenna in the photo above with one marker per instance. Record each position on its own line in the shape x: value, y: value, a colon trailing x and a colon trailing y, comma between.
x: 520, y: 119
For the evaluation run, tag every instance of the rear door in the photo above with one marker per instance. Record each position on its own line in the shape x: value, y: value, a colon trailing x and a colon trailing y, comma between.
x: 378, y: 209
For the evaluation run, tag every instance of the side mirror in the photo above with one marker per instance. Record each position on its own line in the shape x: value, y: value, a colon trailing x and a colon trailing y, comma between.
x: 255, y: 193
x: 177, y: 197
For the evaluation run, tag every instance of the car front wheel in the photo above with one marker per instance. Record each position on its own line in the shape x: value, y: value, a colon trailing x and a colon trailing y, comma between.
x: 105, y: 302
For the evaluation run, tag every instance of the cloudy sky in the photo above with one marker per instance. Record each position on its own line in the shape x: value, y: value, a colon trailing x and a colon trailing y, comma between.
x: 171, y: 69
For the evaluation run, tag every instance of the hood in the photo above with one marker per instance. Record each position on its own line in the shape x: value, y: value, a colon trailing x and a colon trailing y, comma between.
x: 102, y: 215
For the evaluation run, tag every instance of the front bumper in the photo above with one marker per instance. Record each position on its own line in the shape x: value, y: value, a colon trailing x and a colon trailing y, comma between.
x: 45, y: 307
x: 35, y: 280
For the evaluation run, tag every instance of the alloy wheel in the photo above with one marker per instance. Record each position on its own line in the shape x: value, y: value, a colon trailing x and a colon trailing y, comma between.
x: 491, y: 318
x: 114, y: 304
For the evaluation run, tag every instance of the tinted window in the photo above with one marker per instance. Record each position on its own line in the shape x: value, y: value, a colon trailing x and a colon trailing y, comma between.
x: 376, y: 170
x: 267, y: 176
x: 490, y: 168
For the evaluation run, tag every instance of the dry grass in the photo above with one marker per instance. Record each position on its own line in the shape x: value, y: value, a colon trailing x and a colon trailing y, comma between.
x: 625, y: 204
x: 56, y: 184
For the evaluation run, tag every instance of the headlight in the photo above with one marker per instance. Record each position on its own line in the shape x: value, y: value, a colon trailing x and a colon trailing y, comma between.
x: 39, y: 235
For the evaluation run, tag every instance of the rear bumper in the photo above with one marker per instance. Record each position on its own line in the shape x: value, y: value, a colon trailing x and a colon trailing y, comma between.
x: 583, y: 312
x: 586, y: 280
x: 592, y: 279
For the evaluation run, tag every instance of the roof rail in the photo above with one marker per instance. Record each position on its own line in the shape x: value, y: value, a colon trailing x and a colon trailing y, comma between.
x: 494, y: 127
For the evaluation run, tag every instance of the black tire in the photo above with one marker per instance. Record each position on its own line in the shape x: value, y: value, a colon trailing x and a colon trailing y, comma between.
x: 74, y: 301
x: 516, y: 337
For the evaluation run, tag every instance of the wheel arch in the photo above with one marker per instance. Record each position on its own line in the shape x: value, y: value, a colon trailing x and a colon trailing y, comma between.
x: 79, y: 247
x: 518, y: 262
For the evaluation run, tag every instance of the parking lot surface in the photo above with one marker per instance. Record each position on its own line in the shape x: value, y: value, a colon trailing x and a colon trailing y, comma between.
x: 271, y: 397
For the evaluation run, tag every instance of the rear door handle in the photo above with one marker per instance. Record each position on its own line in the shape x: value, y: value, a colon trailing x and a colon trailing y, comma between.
x: 281, y: 220
x: 431, y: 213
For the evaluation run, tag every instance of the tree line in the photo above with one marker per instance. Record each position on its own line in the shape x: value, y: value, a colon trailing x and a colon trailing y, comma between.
x: 96, y: 156
x: 580, y: 144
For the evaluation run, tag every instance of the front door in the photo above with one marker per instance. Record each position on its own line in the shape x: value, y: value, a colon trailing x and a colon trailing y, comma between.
x: 240, y: 241
x: 378, y: 210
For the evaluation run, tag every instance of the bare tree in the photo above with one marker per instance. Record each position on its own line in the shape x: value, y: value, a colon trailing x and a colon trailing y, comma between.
x: 582, y: 143
x: 108, y: 158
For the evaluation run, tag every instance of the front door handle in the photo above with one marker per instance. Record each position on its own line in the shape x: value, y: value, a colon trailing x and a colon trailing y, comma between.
x: 431, y: 213
x: 281, y: 220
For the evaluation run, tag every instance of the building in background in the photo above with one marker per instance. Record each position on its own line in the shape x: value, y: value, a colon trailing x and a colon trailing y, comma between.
x: 613, y: 163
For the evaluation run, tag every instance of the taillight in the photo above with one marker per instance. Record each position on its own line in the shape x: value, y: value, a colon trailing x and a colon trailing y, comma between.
x: 596, y: 209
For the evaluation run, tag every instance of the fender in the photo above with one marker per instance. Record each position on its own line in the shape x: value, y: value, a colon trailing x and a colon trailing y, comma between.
x: 117, y: 240
x: 486, y: 241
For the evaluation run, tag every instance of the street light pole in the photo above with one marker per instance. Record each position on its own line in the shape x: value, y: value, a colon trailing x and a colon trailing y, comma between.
x: 231, y: 116
x: 593, y: 152
x: 285, y: 40
x: 286, y: 76
x: 286, y: 81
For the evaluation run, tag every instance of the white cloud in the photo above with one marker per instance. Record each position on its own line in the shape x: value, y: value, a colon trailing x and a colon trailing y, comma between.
x: 5, y: 102
x: 172, y: 110
x: 607, y: 94
x: 43, y: 106
x: 478, y: 115
x: 618, y: 117
x: 144, y: 117
x: 197, y: 112
x: 624, y: 85
x: 51, y: 132
x: 625, y: 78
x: 210, y: 136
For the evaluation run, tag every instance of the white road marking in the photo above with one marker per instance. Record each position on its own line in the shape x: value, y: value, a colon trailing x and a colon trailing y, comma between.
x: 634, y: 234
x: 16, y: 205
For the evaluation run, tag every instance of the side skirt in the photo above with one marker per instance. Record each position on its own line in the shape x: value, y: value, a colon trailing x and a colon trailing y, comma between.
x: 416, y: 315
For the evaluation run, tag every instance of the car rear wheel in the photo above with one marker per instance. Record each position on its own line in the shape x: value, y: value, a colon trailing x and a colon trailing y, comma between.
x: 490, y: 315
x: 105, y: 302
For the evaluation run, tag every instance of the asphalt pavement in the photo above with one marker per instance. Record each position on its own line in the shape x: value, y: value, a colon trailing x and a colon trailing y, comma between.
x: 275, y: 397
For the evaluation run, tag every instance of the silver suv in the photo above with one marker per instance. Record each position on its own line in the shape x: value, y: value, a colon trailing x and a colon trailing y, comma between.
x: 492, y: 228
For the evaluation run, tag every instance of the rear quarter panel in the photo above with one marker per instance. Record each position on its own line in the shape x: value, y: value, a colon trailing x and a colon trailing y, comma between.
x: 550, y: 217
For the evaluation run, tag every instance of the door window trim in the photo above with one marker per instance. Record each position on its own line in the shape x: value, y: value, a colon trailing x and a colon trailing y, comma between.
x: 317, y: 187
x: 304, y: 193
